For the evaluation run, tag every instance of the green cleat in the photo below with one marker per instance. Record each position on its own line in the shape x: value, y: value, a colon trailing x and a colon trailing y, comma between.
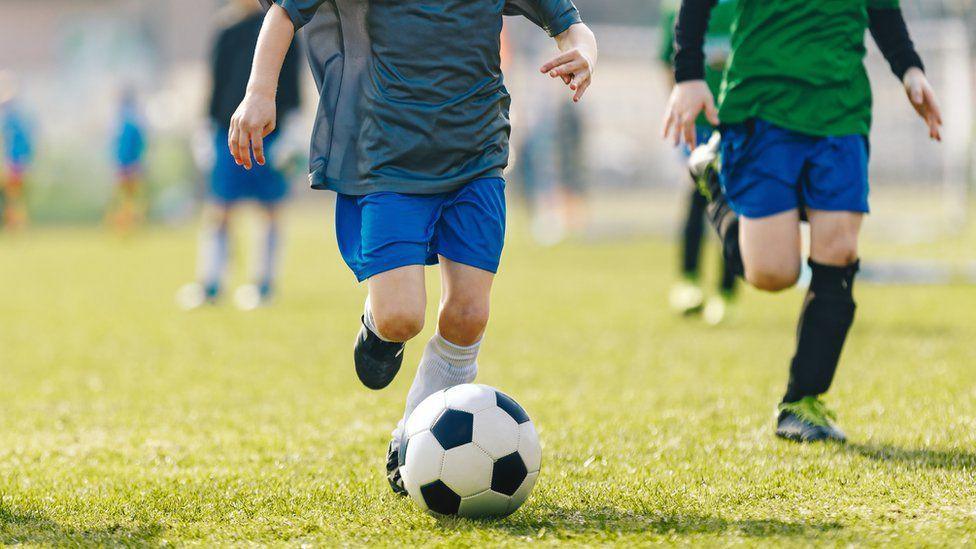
x: 807, y: 420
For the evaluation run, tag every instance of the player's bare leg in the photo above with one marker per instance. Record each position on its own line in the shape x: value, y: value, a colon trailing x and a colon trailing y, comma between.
x: 394, y: 314
x: 771, y: 250
x: 450, y: 357
x: 828, y: 312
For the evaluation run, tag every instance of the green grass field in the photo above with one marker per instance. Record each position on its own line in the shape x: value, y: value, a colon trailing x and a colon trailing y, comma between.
x: 125, y: 421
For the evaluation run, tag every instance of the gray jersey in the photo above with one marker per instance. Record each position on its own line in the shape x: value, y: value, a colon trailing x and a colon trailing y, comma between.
x: 412, y: 97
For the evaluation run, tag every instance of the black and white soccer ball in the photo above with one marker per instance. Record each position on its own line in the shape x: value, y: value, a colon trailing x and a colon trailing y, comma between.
x: 471, y: 451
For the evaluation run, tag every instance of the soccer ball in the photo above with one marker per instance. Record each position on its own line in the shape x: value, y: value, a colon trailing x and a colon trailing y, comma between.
x: 470, y: 451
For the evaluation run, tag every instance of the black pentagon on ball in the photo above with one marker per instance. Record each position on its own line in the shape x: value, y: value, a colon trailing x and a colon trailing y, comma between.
x: 453, y: 428
x: 440, y: 499
x: 511, y: 407
x: 508, y: 474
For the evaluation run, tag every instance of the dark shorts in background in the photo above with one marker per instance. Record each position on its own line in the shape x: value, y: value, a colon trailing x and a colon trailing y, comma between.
x: 383, y: 231
x: 768, y: 170
x: 230, y: 183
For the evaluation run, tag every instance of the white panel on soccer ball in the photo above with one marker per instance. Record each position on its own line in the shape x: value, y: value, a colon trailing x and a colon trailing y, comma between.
x: 529, y: 447
x: 423, y: 461
x: 496, y: 432
x: 412, y: 487
x: 425, y: 413
x: 485, y: 504
x: 470, y: 397
x: 467, y: 470
x: 522, y: 494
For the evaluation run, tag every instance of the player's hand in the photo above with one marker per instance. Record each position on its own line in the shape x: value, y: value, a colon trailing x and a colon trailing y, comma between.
x: 922, y: 96
x: 252, y: 122
x: 574, y: 67
x: 688, y: 100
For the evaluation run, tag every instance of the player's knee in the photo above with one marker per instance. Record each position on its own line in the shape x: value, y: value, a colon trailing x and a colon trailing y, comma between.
x: 399, y: 323
x: 773, y: 278
x: 463, y: 323
x: 837, y: 251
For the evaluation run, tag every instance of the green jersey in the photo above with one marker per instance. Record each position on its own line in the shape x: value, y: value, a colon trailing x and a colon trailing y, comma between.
x: 799, y: 64
x: 717, y: 42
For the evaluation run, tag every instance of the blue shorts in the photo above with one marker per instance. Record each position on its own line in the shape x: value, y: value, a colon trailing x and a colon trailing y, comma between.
x: 768, y: 170
x: 383, y: 231
x: 231, y: 183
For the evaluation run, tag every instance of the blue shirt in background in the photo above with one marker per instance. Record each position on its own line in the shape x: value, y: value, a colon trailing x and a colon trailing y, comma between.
x: 130, y: 143
x: 18, y: 148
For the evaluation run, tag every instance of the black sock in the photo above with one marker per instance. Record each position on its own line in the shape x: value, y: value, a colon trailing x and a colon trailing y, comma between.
x: 827, y: 315
x: 692, y: 234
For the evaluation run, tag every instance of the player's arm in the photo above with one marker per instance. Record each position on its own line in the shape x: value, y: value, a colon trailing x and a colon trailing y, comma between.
x: 690, y: 95
x: 256, y: 116
x: 890, y: 32
x: 576, y: 63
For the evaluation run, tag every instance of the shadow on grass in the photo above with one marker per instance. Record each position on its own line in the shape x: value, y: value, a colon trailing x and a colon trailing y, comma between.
x: 936, y: 459
x: 34, y: 528
x: 603, y: 520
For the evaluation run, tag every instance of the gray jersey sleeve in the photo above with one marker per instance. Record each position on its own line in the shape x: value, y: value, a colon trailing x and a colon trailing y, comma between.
x: 554, y: 16
x: 299, y: 11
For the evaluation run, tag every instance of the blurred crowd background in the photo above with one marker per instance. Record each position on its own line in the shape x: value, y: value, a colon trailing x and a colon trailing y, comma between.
x: 76, y: 75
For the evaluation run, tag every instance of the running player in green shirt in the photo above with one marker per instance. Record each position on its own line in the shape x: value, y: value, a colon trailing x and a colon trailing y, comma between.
x: 795, y: 115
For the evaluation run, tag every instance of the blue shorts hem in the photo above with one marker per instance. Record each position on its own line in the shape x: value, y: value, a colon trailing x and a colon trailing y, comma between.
x: 487, y: 266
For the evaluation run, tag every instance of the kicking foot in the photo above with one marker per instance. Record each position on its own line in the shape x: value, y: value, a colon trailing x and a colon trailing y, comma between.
x: 195, y: 295
x: 377, y: 361
x: 704, y: 167
x: 393, y: 462
x: 807, y: 420
x: 686, y: 298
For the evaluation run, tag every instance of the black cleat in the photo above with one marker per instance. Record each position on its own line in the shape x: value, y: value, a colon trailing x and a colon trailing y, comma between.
x: 807, y: 420
x: 393, y: 463
x: 377, y: 361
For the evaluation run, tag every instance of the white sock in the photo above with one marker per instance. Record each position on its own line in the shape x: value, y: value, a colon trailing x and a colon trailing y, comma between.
x: 443, y: 365
x: 369, y: 322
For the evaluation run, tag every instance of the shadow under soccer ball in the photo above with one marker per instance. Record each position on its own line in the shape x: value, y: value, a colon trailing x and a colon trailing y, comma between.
x: 470, y: 451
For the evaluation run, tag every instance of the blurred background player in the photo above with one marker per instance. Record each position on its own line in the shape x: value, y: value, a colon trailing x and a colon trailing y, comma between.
x: 687, y: 295
x: 551, y: 168
x: 127, y: 208
x: 18, y: 151
x: 230, y: 183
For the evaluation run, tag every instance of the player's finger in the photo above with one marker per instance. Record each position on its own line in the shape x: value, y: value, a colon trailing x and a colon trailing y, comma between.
x: 582, y: 90
x: 232, y: 143
x: 711, y: 113
x: 666, y: 123
x: 558, y: 60
x: 933, y: 105
x: 578, y: 80
x: 574, y: 66
x: 243, y: 143
x: 689, y: 127
x: 257, y: 144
